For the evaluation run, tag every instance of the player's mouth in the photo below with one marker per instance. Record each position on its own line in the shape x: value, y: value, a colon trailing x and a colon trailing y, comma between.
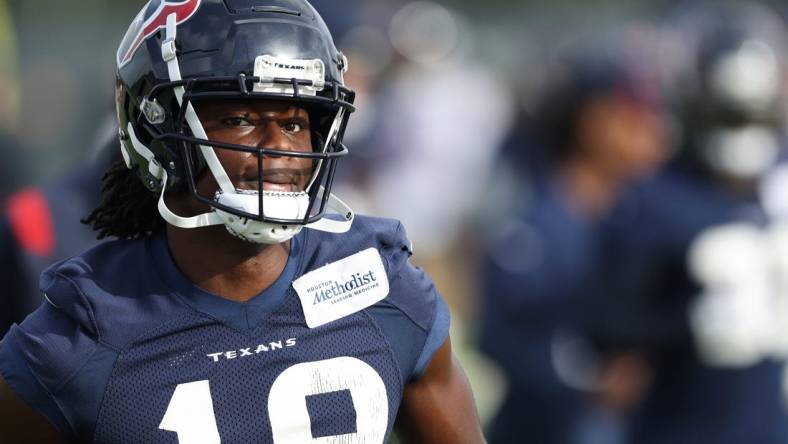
x: 273, y: 186
x: 282, y: 181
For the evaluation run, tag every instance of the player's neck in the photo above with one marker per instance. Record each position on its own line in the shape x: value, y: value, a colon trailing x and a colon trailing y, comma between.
x: 223, y: 265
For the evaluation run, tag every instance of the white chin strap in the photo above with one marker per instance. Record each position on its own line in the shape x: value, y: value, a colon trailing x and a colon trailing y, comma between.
x: 277, y: 205
x: 280, y: 205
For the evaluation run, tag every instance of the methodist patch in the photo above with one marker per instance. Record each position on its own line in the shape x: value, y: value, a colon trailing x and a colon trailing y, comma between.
x: 342, y: 288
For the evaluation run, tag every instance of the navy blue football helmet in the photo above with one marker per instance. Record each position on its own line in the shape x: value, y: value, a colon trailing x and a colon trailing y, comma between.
x: 729, y: 89
x: 178, y: 53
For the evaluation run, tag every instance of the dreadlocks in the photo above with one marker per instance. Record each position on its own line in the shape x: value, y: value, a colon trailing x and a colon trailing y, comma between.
x: 127, y: 209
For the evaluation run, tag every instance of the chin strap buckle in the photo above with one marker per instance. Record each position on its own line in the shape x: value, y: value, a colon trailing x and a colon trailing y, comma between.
x: 168, y: 49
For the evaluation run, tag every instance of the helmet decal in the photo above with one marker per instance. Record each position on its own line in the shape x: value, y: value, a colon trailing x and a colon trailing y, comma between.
x: 139, y: 32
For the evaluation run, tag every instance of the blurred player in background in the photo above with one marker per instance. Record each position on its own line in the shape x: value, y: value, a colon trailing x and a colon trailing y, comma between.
x: 599, y: 129
x: 232, y: 308
x: 42, y: 225
x: 697, y: 267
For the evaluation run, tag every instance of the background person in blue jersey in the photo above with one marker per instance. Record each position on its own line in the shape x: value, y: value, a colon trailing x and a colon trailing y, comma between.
x: 696, y: 279
x: 230, y: 309
x: 598, y: 129
x: 40, y: 225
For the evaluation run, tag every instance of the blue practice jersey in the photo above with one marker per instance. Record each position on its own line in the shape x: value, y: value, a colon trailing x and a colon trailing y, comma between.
x: 127, y: 350
x: 535, y: 284
x: 658, y: 253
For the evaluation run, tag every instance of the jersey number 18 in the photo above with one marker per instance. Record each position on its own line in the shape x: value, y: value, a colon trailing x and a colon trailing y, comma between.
x: 190, y: 413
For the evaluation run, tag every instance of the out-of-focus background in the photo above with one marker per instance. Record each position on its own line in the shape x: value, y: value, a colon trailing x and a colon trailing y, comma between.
x: 596, y: 188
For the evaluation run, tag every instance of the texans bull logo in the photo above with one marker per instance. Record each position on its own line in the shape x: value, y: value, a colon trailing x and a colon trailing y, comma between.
x: 157, y: 20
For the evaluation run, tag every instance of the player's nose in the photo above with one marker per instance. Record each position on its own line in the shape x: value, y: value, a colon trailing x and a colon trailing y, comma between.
x: 274, y: 137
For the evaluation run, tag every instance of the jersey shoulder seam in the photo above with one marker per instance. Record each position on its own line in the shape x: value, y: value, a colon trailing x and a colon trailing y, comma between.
x: 389, y: 348
x: 89, y: 305
x: 405, y: 313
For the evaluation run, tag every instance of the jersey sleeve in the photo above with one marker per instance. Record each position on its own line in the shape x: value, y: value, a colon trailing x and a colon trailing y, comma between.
x: 49, y: 360
x: 33, y: 364
x: 414, y: 317
x: 437, y: 330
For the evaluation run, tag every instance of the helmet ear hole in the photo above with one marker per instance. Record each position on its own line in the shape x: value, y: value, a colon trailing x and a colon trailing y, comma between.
x: 199, y: 165
x: 195, y: 160
x: 318, y: 142
x: 321, y: 118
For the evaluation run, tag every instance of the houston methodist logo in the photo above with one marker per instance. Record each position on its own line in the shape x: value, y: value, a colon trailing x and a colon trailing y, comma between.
x: 339, y: 291
x: 157, y: 20
x: 342, y: 288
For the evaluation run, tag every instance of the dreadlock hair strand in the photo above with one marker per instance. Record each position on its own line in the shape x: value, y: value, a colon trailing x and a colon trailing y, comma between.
x: 127, y: 209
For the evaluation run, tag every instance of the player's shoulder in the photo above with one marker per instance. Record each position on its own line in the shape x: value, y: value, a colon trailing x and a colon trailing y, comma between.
x: 112, y: 291
x: 412, y: 315
x: 686, y: 187
x: 680, y: 200
x: 410, y: 289
x: 92, y: 310
x: 388, y: 236
x: 93, y: 263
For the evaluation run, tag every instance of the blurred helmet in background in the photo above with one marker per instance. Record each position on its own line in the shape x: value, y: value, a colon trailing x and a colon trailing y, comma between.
x: 727, y: 85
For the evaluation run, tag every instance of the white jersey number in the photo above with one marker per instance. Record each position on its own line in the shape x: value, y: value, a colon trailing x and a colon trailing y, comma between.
x: 190, y: 412
x: 740, y: 316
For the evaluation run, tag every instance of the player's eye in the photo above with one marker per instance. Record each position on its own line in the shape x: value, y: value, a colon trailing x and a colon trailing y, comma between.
x: 236, y: 121
x: 293, y: 127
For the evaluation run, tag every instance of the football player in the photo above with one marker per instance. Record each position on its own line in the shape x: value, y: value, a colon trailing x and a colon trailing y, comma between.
x: 232, y: 308
x: 598, y: 130
x: 697, y: 268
